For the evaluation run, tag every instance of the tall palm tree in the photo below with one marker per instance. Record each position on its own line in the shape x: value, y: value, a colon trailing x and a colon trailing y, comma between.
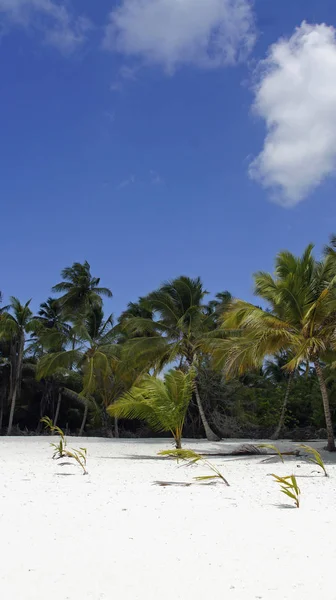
x: 163, y: 404
x: 80, y: 290
x: 14, y: 325
x: 301, y: 321
x: 276, y: 371
x: 174, y: 331
x: 5, y: 378
x: 95, y: 349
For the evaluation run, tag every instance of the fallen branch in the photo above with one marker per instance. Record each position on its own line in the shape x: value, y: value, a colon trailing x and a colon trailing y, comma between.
x: 251, y: 450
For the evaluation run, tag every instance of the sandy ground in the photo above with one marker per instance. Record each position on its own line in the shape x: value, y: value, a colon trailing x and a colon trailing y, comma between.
x: 115, y: 534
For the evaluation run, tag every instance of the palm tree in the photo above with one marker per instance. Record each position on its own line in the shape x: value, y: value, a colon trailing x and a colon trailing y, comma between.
x: 175, y: 331
x: 218, y: 306
x: 140, y: 309
x: 163, y: 404
x: 275, y: 371
x: 14, y: 325
x: 50, y: 314
x: 301, y: 321
x: 80, y: 290
x: 93, y: 354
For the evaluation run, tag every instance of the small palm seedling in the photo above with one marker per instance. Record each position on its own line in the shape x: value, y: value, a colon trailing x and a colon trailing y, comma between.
x: 79, y: 456
x: 315, y: 458
x: 61, y: 450
x: 272, y: 447
x: 61, y: 446
x: 163, y: 404
x: 193, y: 458
x: 289, y: 487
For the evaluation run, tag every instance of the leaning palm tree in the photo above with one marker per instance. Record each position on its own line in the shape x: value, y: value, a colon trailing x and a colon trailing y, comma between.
x: 301, y: 321
x: 161, y: 403
x: 14, y: 325
x: 174, y: 331
x: 80, y: 291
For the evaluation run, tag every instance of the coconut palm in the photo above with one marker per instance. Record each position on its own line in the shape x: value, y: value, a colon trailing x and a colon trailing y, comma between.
x: 175, y: 331
x: 163, y: 404
x: 93, y: 353
x: 301, y: 321
x: 80, y: 291
x: 275, y: 371
x: 139, y: 309
x: 50, y: 315
x: 14, y: 325
x: 218, y: 306
x: 50, y: 312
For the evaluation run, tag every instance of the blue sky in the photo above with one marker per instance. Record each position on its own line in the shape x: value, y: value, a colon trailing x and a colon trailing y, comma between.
x: 155, y: 142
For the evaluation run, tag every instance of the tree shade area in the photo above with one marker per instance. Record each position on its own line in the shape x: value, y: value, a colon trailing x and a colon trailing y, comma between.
x: 176, y: 362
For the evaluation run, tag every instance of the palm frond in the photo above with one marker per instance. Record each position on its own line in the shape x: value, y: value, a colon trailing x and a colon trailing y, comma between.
x: 50, y: 363
x: 161, y: 403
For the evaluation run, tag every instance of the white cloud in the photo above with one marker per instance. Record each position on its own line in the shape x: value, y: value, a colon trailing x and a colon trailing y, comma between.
x: 126, y: 182
x: 155, y: 178
x: 125, y: 74
x: 204, y: 33
x: 296, y: 95
x: 58, y: 27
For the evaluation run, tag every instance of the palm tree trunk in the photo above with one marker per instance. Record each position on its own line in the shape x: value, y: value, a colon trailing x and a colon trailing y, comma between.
x: 106, y: 423
x: 16, y: 384
x: 116, y: 427
x: 43, y: 404
x: 86, y: 410
x: 329, y: 426
x: 281, y: 423
x: 210, y: 435
x: 59, y: 400
x: 12, y: 409
x: 1, y: 411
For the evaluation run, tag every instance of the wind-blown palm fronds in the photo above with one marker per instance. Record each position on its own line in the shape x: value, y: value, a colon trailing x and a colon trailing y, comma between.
x: 301, y: 321
x: 170, y: 325
x: 95, y: 354
x: 14, y: 324
x: 80, y: 291
x: 161, y: 403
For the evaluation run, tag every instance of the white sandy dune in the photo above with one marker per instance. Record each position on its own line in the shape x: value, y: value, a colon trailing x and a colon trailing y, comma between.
x: 114, y: 534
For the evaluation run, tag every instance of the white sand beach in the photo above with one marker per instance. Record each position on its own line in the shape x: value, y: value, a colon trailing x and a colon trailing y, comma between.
x: 115, y: 534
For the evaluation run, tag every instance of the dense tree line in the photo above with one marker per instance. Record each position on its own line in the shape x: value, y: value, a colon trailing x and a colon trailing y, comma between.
x: 258, y: 371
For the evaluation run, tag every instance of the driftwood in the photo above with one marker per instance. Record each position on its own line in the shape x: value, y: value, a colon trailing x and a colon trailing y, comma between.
x: 182, y: 483
x: 251, y: 450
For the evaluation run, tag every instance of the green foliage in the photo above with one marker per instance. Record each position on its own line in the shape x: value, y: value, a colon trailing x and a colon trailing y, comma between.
x: 61, y: 450
x: 47, y: 422
x: 315, y: 458
x: 193, y: 458
x: 15, y: 323
x: 161, y: 403
x: 301, y: 298
x: 83, y: 359
x: 289, y: 487
x: 175, y: 328
x: 80, y: 290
